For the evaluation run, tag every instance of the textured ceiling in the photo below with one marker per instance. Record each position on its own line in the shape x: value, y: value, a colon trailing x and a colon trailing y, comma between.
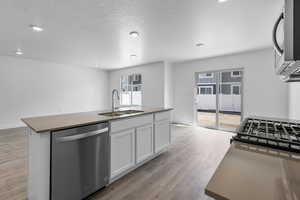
x: 96, y: 32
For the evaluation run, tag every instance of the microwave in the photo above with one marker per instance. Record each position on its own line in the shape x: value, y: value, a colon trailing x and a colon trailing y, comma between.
x: 287, y: 53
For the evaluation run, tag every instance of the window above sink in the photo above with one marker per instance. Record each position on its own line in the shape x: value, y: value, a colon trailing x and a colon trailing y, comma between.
x: 131, y: 90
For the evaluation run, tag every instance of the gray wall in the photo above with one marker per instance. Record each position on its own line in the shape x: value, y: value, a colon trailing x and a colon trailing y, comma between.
x: 264, y: 93
x: 34, y: 88
x: 153, y: 82
x: 157, y: 83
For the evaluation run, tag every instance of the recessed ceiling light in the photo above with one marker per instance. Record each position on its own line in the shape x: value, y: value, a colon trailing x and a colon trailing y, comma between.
x: 133, y: 56
x: 19, y: 52
x: 36, y: 28
x: 134, y: 34
x: 200, y: 44
x: 222, y: 1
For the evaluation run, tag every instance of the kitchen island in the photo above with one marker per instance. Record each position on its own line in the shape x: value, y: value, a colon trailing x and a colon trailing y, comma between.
x: 133, y: 139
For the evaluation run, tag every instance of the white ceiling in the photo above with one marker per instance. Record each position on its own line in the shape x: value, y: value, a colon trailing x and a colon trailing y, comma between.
x: 96, y: 32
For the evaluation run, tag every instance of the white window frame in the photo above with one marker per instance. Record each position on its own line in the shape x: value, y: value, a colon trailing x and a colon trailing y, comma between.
x: 206, y: 86
x: 131, y: 91
x: 232, y: 75
x: 234, y: 85
x: 204, y: 75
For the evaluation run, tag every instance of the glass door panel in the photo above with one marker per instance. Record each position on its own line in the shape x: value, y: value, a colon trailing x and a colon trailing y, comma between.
x: 206, y: 106
x: 230, y: 88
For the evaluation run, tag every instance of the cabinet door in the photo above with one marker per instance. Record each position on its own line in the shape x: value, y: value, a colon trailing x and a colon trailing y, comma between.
x: 162, y: 135
x: 144, y: 143
x: 122, y: 152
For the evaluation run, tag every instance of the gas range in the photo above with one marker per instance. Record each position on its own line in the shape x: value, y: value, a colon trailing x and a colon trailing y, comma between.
x: 275, y: 133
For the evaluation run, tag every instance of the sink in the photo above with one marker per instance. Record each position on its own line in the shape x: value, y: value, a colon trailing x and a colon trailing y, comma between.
x: 112, y: 114
x: 120, y: 113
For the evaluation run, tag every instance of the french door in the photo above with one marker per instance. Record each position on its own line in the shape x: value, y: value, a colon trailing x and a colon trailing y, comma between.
x: 218, y: 99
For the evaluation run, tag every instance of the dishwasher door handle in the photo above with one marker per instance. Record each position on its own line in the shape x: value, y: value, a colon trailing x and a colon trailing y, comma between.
x: 81, y: 136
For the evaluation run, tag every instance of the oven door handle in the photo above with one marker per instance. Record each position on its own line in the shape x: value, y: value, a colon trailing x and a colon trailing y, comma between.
x: 274, y: 35
x: 81, y: 136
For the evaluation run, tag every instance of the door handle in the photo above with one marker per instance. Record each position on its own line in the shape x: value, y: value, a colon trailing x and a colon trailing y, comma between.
x: 274, y: 37
x: 81, y: 136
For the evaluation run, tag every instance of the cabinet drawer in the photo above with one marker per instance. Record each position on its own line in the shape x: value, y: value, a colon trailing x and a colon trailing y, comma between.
x: 132, y: 122
x: 162, y: 116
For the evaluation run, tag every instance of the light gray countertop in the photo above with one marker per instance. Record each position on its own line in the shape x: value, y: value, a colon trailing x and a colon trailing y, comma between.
x: 250, y: 172
x: 63, y: 121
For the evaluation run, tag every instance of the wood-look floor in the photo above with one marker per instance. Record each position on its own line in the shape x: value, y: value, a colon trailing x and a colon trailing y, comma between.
x: 182, y: 172
x: 13, y: 164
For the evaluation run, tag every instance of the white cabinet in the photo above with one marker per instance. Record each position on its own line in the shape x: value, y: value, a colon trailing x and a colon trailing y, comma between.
x: 144, y: 143
x: 132, y: 122
x: 122, y: 152
x: 135, y: 140
x: 162, y: 131
x: 162, y: 135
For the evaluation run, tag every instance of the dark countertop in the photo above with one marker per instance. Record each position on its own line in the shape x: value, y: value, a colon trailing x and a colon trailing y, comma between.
x: 63, y: 121
x: 250, y: 172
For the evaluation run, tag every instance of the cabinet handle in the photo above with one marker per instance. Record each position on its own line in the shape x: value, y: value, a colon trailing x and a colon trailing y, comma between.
x: 81, y: 136
x: 274, y: 38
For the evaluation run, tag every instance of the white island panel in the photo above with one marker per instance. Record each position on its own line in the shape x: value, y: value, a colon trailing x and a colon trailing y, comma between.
x: 38, y: 165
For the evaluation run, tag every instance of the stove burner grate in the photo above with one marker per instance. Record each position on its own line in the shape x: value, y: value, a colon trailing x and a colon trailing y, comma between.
x: 284, y: 135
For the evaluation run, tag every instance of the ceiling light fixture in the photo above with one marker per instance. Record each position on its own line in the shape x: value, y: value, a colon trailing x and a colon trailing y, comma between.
x: 19, y: 52
x: 222, y: 1
x: 133, y: 56
x: 134, y: 34
x: 200, y: 44
x: 36, y: 28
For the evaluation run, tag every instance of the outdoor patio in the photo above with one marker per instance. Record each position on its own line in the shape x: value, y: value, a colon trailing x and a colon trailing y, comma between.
x: 227, y: 121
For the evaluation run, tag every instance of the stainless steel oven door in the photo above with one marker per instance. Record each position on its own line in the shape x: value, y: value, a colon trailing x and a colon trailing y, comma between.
x: 79, y: 161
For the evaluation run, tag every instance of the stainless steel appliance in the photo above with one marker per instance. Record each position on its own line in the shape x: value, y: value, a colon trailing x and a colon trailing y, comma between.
x: 275, y: 133
x: 287, y: 54
x: 79, y: 161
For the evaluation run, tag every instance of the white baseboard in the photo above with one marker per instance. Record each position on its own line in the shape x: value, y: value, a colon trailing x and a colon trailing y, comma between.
x: 10, y: 126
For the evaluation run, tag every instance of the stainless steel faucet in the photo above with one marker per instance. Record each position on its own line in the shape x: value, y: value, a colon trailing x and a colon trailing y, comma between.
x: 115, y: 91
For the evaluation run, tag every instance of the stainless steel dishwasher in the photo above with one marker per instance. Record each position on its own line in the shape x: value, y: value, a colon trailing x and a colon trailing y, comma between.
x: 79, y: 161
